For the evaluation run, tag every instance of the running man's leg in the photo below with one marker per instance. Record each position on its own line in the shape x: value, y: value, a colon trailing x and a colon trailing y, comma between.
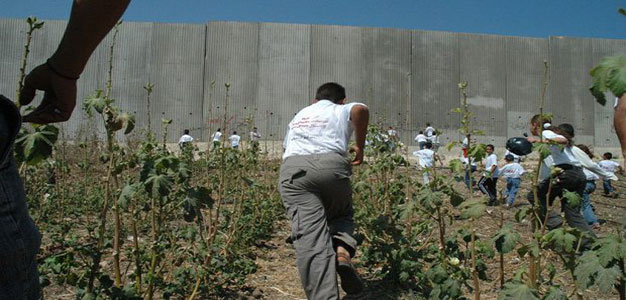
x: 315, y: 256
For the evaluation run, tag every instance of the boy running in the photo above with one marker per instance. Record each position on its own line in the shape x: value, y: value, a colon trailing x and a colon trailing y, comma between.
x: 421, y: 139
x: 513, y: 172
x: 426, y: 159
x: 487, y: 184
x: 314, y: 183
x: 609, y: 166
x: 234, y: 140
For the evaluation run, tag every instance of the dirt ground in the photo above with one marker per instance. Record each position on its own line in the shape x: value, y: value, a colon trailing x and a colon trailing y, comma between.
x: 277, y: 277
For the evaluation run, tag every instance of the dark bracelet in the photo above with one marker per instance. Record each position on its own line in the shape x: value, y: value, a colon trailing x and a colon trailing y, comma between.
x: 58, y: 73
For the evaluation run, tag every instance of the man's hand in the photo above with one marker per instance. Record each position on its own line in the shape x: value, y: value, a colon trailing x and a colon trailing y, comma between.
x: 358, y: 158
x: 59, y: 97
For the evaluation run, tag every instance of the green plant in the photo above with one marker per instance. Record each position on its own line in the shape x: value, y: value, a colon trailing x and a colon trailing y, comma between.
x: 609, y: 75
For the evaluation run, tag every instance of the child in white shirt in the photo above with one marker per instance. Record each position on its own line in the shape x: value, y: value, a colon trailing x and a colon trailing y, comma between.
x: 487, y: 184
x: 217, y: 138
x: 421, y: 139
x: 185, y: 139
x: 513, y: 172
x: 426, y: 159
x: 234, y: 140
x: 609, y: 166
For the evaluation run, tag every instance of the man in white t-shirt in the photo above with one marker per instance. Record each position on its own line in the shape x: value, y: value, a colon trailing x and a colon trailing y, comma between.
x: 234, y: 140
x: 609, y: 166
x: 185, y: 140
x: 488, y: 182
x: 421, y: 140
x: 217, y: 138
x: 314, y: 183
x: 426, y: 159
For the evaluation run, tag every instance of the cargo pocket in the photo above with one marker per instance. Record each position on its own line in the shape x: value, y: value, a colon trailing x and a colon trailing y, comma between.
x: 289, y: 175
x: 295, y: 223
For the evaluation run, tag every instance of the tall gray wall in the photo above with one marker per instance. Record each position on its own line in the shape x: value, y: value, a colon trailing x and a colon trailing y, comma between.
x: 238, y: 75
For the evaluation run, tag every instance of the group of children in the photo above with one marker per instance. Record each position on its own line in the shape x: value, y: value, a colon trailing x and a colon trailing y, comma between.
x: 234, y: 139
x: 575, y: 171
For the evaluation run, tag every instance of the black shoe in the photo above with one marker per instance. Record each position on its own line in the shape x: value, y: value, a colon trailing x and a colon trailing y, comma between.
x: 350, y: 280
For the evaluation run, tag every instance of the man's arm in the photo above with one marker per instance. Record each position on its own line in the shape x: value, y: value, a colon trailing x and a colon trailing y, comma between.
x: 90, y: 21
x: 619, y: 122
x: 359, y: 115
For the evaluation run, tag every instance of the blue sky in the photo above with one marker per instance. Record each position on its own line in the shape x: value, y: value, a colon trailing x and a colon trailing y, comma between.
x: 579, y: 18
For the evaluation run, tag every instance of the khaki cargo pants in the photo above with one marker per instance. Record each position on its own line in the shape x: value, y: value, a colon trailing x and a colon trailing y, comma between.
x: 317, y: 194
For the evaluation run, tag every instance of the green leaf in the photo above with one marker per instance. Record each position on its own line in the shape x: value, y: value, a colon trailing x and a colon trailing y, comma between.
x: 622, y: 11
x: 561, y: 240
x: 456, y: 165
x: 473, y: 208
x: 574, y: 199
x: 588, y: 265
x: 522, y: 213
x: 506, y: 239
x: 532, y: 249
x: 477, y: 151
x: 555, y: 293
x: 607, y: 278
x: 128, y: 120
x: 95, y: 102
x: 610, y: 248
x: 517, y: 291
x: 609, y: 75
x: 38, y: 145
x: 158, y: 185
x: 127, y: 194
x: 542, y: 148
x: 430, y: 199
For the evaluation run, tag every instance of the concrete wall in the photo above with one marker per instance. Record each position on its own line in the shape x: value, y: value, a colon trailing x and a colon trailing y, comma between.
x: 407, y: 77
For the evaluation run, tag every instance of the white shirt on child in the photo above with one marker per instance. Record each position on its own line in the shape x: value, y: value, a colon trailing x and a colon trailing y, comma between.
x: 559, y: 156
x: 430, y: 131
x: 323, y: 127
x: 420, y: 138
x: 426, y: 157
x: 185, y: 139
x: 234, y: 140
x: 217, y: 136
x: 608, y: 165
x: 491, y: 160
x: 254, y: 136
x: 512, y: 170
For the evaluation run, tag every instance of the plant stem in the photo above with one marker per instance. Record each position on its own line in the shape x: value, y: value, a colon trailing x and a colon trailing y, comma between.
x: 621, y: 287
x: 136, y: 250
x: 154, y: 253
x: 534, y: 264
x: 474, y: 270
x: 32, y: 26
x: 97, y: 256
x: 501, y: 253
